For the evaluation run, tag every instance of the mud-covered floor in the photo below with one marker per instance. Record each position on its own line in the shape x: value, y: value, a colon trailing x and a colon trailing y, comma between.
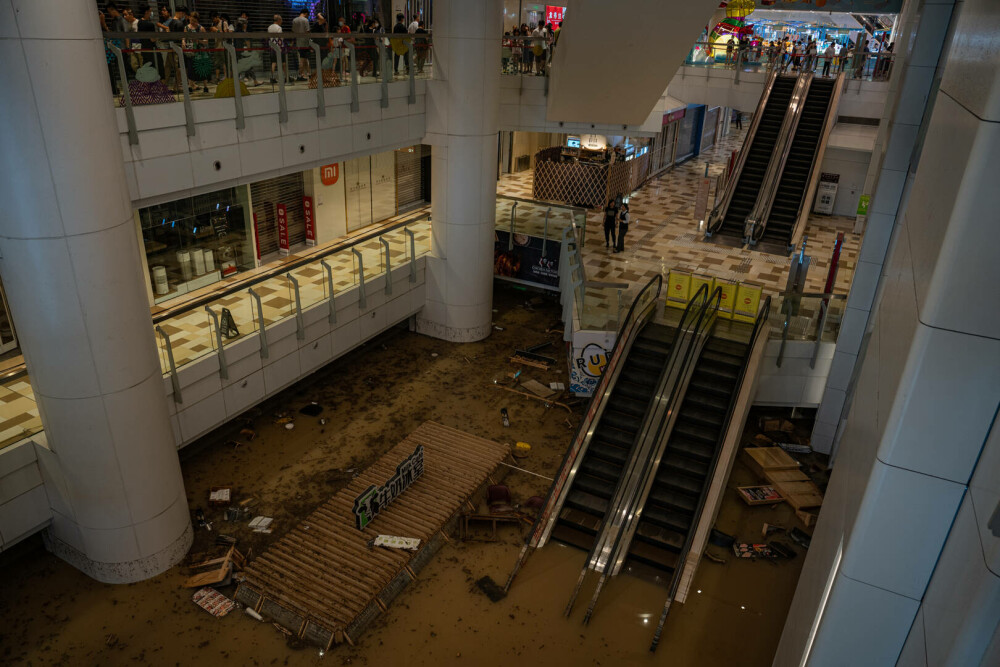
x: 52, y: 614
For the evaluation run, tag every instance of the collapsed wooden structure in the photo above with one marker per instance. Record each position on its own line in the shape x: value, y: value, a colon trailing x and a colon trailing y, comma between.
x: 324, y: 583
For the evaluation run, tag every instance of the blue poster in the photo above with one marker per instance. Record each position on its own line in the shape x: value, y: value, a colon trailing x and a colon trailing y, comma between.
x: 525, y: 261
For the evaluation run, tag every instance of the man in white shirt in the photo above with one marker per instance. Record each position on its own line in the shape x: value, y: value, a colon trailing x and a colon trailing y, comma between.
x: 538, y: 46
x: 300, y: 26
x: 276, y: 43
x: 828, y: 59
x: 412, y: 28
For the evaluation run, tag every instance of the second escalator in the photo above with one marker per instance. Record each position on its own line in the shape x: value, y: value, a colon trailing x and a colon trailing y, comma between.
x: 669, y: 513
x: 758, y: 156
x: 798, y: 167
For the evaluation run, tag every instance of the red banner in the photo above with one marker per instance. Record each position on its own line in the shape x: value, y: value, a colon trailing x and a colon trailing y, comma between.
x: 307, y: 212
x: 554, y: 14
x: 282, y: 229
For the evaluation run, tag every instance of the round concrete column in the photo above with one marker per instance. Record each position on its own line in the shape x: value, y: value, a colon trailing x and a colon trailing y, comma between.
x: 70, y: 263
x: 463, y: 103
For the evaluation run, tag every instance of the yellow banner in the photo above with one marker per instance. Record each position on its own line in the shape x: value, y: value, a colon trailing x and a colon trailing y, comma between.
x: 678, y: 289
x: 728, y: 290
x: 747, y: 303
x: 697, y: 281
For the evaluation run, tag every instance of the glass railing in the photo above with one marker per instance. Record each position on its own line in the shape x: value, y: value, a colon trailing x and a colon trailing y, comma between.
x: 526, y: 55
x: 542, y: 220
x: 814, y: 318
x: 192, y: 332
x: 155, y: 68
x: 763, y: 58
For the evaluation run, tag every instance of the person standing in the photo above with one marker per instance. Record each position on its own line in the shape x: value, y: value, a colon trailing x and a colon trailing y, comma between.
x: 145, y: 24
x: 300, y: 26
x: 412, y: 28
x: 828, y: 56
x: 340, y: 49
x: 400, y: 29
x: 420, y: 48
x: 375, y: 28
x: 609, y: 226
x: 623, y: 221
x: 276, y: 44
x: 738, y: 117
x: 538, y: 46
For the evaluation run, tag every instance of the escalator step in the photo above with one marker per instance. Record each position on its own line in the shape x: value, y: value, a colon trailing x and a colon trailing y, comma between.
x: 698, y: 414
x: 706, y: 399
x: 586, y: 502
x: 626, y: 405
x: 653, y: 556
x: 673, y: 499
x: 664, y: 538
x: 607, y: 451
x: 666, y: 517
x: 698, y: 432
x: 624, y: 424
x: 682, y: 465
x: 594, y: 486
x: 693, y: 449
x: 599, y: 468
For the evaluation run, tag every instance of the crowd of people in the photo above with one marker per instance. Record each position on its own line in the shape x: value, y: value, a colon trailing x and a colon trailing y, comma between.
x: 873, y: 59
x: 205, y: 61
x: 528, y: 50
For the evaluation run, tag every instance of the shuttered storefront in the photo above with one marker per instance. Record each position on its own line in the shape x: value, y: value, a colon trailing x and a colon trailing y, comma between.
x: 409, y: 190
x: 265, y: 196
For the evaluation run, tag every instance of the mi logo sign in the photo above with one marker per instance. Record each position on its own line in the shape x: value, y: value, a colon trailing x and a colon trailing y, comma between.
x: 330, y: 173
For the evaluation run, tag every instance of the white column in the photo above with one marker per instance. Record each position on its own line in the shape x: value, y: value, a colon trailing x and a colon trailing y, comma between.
x: 462, y: 126
x: 70, y: 263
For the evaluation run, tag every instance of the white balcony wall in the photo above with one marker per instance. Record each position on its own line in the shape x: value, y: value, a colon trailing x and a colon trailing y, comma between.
x: 167, y: 164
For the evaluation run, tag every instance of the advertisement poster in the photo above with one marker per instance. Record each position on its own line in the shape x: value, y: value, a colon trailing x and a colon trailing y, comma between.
x: 589, y: 357
x: 307, y: 214
x: 282, y: 215
x: 524, y: 262
x: 554, y: 14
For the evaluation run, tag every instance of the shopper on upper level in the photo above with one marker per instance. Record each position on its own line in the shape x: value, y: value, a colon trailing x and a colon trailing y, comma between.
x: 400, y: 29
x: 300, y: 26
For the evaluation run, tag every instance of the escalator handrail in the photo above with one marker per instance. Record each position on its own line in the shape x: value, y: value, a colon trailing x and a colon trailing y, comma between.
x: 762, y: 315
x: 699, y: 301
x: 828, y: 120
x: 702, y: 328
x: 626, y: 334
x: 757, y: 220
x: 718, y: 213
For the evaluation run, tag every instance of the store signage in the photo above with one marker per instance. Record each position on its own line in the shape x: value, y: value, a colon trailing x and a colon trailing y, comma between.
x: 375, y: 499
x: 330, y: 173
x: 528, y: 259
x: 307, y: 212
x: 554, y: 14
x: 282, y: 215
x: 673, y: 116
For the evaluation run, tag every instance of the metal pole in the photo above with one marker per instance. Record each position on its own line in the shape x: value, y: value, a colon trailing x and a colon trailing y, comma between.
x: 174, y: 382
x: 412, y: 99
x: 413, y: 255
x: 510, y: 241
x: 280, y: 69
x: 188, y: 114
x: 300, y: 327
x: 260, y: 321
x: 545, y: 231
x: 332, y: 319
x: 320, y: 99
x: 223, y: 368
x: 362, y: 301
x: 237, y: 90
x: 133, y: 135
x: 388, y: 266
x: 355, y: 104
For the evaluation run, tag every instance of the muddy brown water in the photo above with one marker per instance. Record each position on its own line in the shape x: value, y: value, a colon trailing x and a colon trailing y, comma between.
x: 51, y: 614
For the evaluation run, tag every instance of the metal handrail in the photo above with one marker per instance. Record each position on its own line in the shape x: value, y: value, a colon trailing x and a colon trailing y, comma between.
x: 718, y: 213
x: 346, y: 244
x: 759, y: 321
x: 636, y: 480
x: 756, y: 222
x: 629, y: 329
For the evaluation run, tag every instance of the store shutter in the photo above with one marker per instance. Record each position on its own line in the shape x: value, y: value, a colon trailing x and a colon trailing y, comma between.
x: 408, y: 178
x: 265, y: 195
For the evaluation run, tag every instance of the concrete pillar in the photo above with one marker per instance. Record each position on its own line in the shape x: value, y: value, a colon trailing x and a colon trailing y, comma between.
x: 462, y: 126
x: 70, y: 263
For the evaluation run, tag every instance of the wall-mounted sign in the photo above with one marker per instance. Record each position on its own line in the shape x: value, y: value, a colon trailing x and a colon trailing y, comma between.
x: 282, y: 215
x: 330, y: 173
x: 673, y: 115
x: 594, y: 142
x: 554, y: 14
x: 307, y: 213
x: 375, y: 499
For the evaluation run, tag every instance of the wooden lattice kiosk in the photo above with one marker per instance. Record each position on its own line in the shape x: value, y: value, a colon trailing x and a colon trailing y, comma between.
x: 323, y: 582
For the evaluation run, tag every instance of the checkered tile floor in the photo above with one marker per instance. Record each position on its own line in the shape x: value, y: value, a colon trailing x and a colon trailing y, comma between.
x: 664, y: 235
x: 18, y: 411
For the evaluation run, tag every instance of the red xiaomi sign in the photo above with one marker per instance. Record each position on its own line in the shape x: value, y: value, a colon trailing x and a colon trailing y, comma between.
x: 330, y: 173
x: 554, y: 14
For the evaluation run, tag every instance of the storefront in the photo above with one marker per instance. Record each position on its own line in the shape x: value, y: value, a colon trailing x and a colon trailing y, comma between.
x: 517, y: 12
x: 194, y: 242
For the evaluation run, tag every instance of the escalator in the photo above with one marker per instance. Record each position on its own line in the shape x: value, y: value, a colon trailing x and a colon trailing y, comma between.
x: 802, y: 155
x: 613, y: 438
x: 670, y: 511
x: 758, y: 146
